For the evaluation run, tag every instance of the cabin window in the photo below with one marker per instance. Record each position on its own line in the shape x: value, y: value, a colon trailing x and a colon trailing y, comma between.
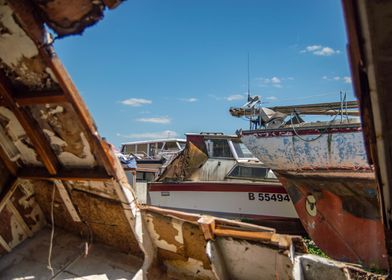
x: 241, y: 150
x: 251, y: 172
x: 145, y: 176
x: 182, y: 145
x: 171, y: 146
x: 218, y: 148
x: 142, y: 148
x: 128, y: 149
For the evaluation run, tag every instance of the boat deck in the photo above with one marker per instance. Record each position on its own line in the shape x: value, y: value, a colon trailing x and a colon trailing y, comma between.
x: 30, y: 259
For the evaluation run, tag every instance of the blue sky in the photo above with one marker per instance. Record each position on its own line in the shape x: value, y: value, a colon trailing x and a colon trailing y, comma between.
x: 156, y: 68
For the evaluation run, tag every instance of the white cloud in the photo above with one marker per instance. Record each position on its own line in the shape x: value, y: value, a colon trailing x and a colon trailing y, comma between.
x: 136, y: 102
x: 320, y: 50
x: 150, y: 135
x: 162, y: 120
x: 235, y: 97
x: 274, y: 81
x: 347, y: 80
x: 191, y: 99
x: 272, y: 98
x: 312, y: 48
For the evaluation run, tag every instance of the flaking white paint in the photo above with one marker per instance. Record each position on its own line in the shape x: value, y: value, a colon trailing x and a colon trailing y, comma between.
x: 177, y: 224
x: 69, y: 159
x: 18, y: 136
x: 14, y: 45
x: 163, y: 244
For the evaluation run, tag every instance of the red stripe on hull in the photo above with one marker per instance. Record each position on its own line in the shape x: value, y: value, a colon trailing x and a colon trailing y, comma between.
x: 215, y: 187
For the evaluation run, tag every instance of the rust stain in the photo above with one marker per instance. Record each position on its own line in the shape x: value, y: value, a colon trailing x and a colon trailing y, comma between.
x: 195, y: 244
x: 184, y: 165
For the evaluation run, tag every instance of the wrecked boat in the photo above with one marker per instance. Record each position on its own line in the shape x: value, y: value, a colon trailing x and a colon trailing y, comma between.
x: 66, y: 208
x: 143, y: 160
x: 217, y: 175
x: 324, y: 168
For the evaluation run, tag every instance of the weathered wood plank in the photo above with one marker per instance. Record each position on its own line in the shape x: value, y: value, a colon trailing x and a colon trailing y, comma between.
x: 36, y: 98
x: 36, y: 173
x: 31, y: 127
x: 67, y: 201
x: 7, y: 193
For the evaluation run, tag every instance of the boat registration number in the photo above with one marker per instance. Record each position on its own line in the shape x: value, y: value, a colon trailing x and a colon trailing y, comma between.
x: 268, y: 197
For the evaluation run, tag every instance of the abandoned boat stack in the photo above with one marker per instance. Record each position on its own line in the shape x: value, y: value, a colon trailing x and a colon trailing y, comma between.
x: 325, y: 170
x: 217, y: 175
x: 67, y: 209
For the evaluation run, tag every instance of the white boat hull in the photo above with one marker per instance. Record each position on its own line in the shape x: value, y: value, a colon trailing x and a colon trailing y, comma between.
x: 285, y: 150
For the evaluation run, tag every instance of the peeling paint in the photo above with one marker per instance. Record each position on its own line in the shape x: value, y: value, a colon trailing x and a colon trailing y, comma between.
x: 28, y: 202
x: 19, y: 55
x: 341, y: 150
x: 159, y: 242
x: 18, y: 234
x: 14, y: 44
x: 177, y: 224
x: 67, y: 158
x: 19, y: 138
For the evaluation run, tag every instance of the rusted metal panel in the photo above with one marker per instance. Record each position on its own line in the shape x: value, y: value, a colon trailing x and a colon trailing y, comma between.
x: 341, y: 214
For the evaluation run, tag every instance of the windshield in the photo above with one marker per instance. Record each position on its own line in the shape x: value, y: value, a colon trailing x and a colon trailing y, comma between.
x: 241, y: 150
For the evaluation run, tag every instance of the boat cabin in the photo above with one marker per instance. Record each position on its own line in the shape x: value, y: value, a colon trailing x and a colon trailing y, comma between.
x: 219, y: 158
x: 153, y: 148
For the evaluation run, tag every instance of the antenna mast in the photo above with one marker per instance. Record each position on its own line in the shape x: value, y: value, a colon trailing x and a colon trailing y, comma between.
x: 248, y: 79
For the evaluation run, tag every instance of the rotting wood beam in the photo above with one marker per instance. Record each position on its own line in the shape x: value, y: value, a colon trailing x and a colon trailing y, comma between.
x: 249, y: 235
x: 8, y: 192
x: 40, y: 97
x: 4, y: 244
x: 101, y: 147
x: 75, y: 174
x: 31, y: 127
x: 34, y: 28
x: 11, y: 166
x: 67, y: 201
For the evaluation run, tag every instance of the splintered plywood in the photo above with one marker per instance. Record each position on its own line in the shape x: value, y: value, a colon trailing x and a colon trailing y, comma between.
x: 102, y: 217
x: 181, y: 246
x: 250, y: 260
x: 19, y: 56
x: 71, y: 16
x: 15, y: 142
x: 107, y: 220
x: 65, y: 134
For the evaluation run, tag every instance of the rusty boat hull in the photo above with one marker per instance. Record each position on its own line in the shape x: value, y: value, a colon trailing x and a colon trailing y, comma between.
x: 334, y: 191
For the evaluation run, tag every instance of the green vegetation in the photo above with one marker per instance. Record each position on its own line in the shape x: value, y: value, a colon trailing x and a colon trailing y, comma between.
x: 313, y: 249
